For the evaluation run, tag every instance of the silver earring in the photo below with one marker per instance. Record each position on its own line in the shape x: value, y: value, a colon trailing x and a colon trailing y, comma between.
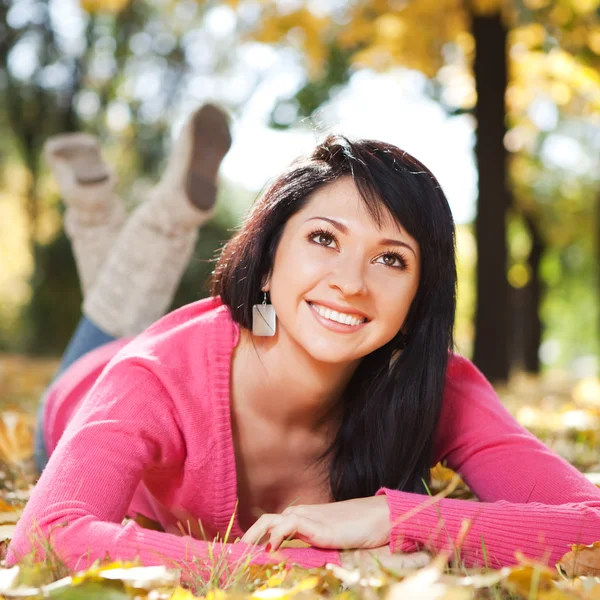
x: 264, y: 320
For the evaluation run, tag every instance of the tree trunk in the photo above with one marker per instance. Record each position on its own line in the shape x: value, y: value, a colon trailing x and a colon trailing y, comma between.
x: 534, y: 289
x: 492, y: 317
x: 597, y: 240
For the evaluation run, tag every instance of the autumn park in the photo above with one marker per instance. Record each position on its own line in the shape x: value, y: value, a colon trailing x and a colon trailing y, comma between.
x: 135, y: 139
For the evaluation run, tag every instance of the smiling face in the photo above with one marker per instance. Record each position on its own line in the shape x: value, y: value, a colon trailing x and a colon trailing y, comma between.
x: 342, y: 286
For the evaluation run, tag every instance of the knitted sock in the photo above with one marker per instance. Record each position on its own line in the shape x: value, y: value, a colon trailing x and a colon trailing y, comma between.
x: 141, y: 274
x: 94, y: 214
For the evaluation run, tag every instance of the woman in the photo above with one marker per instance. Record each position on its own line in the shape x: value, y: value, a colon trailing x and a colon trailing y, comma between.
x: 326, y: 417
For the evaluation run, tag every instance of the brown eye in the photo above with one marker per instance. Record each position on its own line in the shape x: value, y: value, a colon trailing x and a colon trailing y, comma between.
x: 323, y: 239
x: 392, y: 260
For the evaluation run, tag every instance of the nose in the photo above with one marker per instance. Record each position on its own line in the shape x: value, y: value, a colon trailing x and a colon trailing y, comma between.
x: 348, y: 278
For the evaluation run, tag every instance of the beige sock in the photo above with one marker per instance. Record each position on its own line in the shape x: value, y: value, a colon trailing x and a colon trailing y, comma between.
x: 94, y: 214
x: 140, y: 276
x: 92, y: 242
x: 142, y: 272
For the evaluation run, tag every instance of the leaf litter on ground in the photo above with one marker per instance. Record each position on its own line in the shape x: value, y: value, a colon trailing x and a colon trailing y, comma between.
x: 563, y: 413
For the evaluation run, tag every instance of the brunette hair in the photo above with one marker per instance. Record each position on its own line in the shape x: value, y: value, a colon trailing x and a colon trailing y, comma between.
x: 391, y: 406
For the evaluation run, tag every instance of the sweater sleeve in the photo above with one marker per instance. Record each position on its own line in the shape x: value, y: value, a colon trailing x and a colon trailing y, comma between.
x: 532, y: 500
x: 126, y: 426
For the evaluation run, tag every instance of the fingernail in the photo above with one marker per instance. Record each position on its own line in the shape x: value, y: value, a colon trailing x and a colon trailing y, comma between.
x: 268, y: 547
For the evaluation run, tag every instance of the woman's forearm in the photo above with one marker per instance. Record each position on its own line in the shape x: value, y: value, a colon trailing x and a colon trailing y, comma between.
x: 494, y: 530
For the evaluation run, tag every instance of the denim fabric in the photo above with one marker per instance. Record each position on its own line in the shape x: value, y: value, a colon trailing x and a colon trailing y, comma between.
x: 87, y: 337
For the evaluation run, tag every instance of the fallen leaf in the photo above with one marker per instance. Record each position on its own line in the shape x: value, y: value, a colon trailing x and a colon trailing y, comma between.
x: 581, y: 560
x: 3, y: 549
x: 535, y: 581
x: 426, y: 583
x: 143, y: 578
x: 294, y: 544
x: 182, y: 594
x: 16, y: 437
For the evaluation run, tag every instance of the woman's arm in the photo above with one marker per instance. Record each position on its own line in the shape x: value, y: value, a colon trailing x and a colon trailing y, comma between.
x: 531, y: 499
x: 126, y: 426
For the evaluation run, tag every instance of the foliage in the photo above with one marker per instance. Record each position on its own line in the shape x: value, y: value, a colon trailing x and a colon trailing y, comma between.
x: 553, y: 92
x: 119, y: 70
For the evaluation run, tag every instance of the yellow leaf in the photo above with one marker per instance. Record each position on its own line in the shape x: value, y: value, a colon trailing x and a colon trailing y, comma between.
x: 182, y: 594
x: 216, y: 595
x: 537, y: 4
x: 389, y: 27
x: 582, y: 560
x: 275, y: 580
x: 16, y: 437
x: 535, y: 581
x: 531, y: 36
x: 308, y: 583
x: 99, y: 6
x: 486, y: 7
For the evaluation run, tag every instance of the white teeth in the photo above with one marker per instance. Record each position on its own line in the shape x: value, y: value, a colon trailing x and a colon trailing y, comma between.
x: 333, y: 315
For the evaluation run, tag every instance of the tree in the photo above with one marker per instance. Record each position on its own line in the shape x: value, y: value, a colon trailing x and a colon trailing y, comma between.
x: 422, y: 34
x: 115, y: 68
x: 492, y: 316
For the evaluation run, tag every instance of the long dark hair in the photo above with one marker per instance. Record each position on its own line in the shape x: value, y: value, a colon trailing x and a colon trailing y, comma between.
x: 391, y: 406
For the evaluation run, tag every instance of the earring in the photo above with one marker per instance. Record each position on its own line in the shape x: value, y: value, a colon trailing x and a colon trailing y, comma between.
x: 264, y: 320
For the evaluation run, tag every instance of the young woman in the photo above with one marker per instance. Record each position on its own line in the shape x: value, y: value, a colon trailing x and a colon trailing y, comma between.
x: 307, y: 398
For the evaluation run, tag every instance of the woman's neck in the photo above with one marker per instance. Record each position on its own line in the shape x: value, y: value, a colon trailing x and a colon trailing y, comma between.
x: 278, y: 381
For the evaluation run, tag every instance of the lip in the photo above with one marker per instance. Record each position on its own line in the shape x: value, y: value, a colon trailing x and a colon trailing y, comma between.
x: 334, y: 325
x: 341, y: 309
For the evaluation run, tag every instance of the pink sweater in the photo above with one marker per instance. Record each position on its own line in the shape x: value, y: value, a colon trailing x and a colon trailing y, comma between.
x: 153, y: 435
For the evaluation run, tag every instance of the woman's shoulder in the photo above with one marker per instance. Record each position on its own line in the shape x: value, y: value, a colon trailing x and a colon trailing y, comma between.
x: 466, y: 389
x: 462, y: 372
x: 202, y: 327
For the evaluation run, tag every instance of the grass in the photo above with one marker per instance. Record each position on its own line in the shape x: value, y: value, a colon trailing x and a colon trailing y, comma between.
x: 217, y: 579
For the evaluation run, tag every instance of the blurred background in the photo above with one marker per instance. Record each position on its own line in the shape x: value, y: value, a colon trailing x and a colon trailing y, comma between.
x: 501, y: 99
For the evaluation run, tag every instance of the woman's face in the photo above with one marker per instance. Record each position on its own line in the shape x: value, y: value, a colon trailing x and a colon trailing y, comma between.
x: 340, y: 285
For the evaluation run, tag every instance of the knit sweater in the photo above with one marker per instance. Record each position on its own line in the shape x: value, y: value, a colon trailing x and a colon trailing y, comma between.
x: 145, y: 427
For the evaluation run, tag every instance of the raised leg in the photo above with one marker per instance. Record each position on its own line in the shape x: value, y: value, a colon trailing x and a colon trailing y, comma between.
x: 141, y: 274
x: 94, y: 213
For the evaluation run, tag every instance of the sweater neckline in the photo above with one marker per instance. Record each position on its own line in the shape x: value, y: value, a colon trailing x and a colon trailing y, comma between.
x: 225, y: 339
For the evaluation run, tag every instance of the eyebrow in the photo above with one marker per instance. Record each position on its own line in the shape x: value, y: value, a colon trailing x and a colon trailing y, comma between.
x: 344, y: 229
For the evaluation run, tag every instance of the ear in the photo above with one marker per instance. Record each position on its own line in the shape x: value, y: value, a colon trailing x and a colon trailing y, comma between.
x: 266, y: 284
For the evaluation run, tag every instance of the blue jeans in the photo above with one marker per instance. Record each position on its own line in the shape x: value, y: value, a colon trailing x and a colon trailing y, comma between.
x: 87, y: 337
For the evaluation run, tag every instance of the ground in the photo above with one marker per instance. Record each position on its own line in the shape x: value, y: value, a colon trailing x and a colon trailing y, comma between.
x: 565, y: 414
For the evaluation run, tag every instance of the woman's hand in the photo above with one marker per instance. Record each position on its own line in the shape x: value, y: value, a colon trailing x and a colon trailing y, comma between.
x: 358, y: 523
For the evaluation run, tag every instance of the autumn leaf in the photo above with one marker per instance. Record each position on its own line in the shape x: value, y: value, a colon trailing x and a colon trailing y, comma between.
x: 16, y: 437
x: 107, y: 6
x: 581, y: 560
x: 535, y: 581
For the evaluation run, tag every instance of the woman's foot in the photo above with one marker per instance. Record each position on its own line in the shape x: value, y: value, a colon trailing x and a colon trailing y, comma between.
x: 187, y: 190
x: 211, y: 142
x: 94, y: 214
x: 85, y: 181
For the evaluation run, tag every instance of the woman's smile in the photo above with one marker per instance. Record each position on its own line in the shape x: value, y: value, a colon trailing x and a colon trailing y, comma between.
x: 337, y: 320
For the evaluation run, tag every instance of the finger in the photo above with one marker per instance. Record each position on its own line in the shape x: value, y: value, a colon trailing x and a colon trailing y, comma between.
x: 260, y: 528
x: 300, y: 528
